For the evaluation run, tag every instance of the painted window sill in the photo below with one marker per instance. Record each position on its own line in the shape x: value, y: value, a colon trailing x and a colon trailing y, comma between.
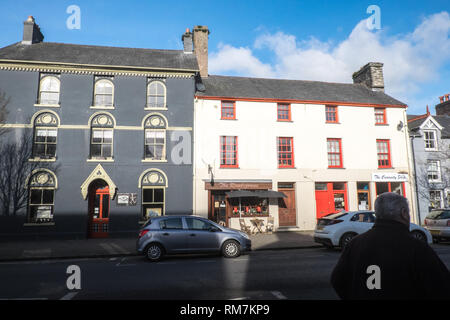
x: 155, y: 108
x: 228, y: 119
x: 46, y: 105
x: 332, y: 122
x: 287, y: 168
x: 42, y: 160
x: 381, y: 168
x: 150, y: 160
x: 382, y: 124
x: 285, y: 121
x: 336, y: 168
x: 103, y: 107
x: 229, y: 167
x: 100, y: 160
x: 43, y: 224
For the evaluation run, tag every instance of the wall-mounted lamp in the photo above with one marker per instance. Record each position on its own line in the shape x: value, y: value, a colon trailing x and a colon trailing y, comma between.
x: 400, y: 126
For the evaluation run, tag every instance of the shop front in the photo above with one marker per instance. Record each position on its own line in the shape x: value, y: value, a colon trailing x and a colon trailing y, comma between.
x: 231, y: 203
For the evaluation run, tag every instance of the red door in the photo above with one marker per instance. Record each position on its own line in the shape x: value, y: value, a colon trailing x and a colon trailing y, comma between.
x: 331, y: 197
x: 286, y: 209
x: 99, y: 212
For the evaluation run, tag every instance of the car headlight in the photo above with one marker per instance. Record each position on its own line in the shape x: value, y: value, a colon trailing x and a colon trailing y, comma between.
x: 244, y: 235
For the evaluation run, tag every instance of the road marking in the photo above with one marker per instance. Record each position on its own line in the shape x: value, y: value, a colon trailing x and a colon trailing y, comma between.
x: 278, y: 295
x: 112, y: 259
x: 69, y: 296
x: 241, y: 298
x: 108, y: 248
x: 119, y: 248
x: 38, y: 253
x: 124, y: 265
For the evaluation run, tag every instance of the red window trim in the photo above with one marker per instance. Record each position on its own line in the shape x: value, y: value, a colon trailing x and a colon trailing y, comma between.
x: 339, y: 140
x: 289, y: 112
x: 292, y: 165
x: 236, y: 156
x: 234, y: 110
x: 389, y: 153
x: 335, y: 113
x: 384, y: 116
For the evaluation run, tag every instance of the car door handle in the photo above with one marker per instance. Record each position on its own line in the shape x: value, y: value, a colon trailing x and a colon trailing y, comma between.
x: 165, y: 234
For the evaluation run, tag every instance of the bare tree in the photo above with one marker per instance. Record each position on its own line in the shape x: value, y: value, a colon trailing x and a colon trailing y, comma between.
x: 4, y: 101
x: 424, y: 178
x: 15, y: 167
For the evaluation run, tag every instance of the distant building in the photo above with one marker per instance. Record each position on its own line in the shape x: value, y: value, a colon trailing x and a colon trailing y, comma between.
x: 326, y: 146
x: 104, y: 122
x: 430, y: 141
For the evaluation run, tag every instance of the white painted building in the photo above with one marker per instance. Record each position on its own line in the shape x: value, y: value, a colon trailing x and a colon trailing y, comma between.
x: 325, y: 146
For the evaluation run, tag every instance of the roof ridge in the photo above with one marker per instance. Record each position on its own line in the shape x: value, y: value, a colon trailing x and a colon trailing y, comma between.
x: 283, y: 79
x: 103, y: 46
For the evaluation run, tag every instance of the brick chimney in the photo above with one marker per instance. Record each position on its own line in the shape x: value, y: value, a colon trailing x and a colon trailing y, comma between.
x: 188, y: 45
x: 31, y: 32
x: 201, y: 48
x: 443, y: 108
x: 371, y: 75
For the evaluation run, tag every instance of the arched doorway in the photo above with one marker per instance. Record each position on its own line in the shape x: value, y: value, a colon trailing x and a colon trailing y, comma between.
x: 98, y: 204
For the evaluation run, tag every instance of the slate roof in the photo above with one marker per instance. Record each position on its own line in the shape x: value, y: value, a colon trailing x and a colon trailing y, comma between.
x: 443, y: 120
x: 100, y: 55
x: 242, y: 87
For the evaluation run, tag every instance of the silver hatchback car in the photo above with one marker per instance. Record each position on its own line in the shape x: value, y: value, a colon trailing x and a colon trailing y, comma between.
x: 189, y: 234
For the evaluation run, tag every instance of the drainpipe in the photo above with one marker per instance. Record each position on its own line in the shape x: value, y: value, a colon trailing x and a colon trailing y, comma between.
x: 415, y: 178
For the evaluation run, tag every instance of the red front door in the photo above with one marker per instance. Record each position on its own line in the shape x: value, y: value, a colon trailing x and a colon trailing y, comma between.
x: 331, y: 197
x: 98, y: 211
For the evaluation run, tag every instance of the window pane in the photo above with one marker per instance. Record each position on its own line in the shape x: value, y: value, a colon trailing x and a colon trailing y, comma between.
x: 96, y: 150
x: 321, y: 186
x: 48, y: 196
x: 107, y: 136
x: 50, y: 84
x: 173, y: 223
x: 103, y: 87
x: 35, y: 196
x: 197, y: 224
x: 107, y: 150
x: 147, y: 195
x: 51, y: 150
x: 159, y: 195
x: 39, y: 149
x: 382, y: 187
x: 149, y: 152
x: 51, y: 136
x: 97, y: 136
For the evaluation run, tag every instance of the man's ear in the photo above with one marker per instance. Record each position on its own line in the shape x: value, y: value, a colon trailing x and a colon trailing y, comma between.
x: 405, y: 215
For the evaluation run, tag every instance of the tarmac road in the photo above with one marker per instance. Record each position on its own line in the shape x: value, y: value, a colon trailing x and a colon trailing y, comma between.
x: 267, y: 275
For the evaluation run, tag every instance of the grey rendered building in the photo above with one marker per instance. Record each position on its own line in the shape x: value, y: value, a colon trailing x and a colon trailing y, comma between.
x: 430, y: 141
x: 100, y: 137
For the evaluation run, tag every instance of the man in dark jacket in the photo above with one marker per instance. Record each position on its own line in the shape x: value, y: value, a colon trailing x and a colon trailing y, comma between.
x: 386, y: 262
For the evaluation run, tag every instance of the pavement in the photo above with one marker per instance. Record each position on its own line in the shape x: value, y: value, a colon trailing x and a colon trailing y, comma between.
x: 112, y: 247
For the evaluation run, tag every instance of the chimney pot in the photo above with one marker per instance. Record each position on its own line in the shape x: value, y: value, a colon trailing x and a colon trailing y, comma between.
x: 188, y: 45
x: 447, y: 97
x: 371, y: 75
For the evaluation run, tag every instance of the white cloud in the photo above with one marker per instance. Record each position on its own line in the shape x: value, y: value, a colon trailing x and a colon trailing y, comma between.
x: 410, y: 60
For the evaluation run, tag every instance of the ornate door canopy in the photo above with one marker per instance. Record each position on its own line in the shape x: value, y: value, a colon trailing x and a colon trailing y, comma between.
x: 98, y: 173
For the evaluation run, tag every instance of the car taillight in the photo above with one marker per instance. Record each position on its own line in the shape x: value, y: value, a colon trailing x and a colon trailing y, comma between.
x: 142, y: 233
x: 334, y: 221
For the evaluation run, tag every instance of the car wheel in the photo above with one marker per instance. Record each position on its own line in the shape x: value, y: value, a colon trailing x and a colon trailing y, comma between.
x: 419, y: 235
x: 346, y: 238
x: 154, y: 252
x: 231, y: 249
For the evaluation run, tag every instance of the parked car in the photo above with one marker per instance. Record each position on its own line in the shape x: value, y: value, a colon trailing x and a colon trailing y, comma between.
x: 338, y: 229
x: 189, y: 234
x: 438, y: 223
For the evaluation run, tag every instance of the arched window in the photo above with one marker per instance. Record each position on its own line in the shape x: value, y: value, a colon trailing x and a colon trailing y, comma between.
x: 41, y: 196
x: 45, y: 127
x: 156, y: 95
x: 104, y: 93
x: 102, y: 133
x: 49, y: 90
x: 153, y: 183
x: 155, y: 138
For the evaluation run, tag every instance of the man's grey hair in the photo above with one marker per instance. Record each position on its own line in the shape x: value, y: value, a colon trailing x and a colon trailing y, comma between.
x: 389, y: 206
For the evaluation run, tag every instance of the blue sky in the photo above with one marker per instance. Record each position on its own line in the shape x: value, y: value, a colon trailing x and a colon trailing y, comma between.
x: 310, y: 40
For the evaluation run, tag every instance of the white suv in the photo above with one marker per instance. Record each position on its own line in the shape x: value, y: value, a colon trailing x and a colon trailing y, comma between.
x: 338, y: 229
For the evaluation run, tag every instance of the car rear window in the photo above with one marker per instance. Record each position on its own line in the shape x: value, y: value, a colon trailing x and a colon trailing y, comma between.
x: 171, y: 223
x: 335, y: 215
x: 439, y: 214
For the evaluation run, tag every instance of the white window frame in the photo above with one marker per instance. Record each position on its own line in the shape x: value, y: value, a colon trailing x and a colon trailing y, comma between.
x: 438, y: 171
x: 94, y: 102
x: 157, y: 94
x: 434, y: 140
x: 434, y: 198
x: 46, y: 103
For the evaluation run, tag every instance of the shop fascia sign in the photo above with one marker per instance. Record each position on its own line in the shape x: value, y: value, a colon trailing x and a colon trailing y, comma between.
x: 389, y: 177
